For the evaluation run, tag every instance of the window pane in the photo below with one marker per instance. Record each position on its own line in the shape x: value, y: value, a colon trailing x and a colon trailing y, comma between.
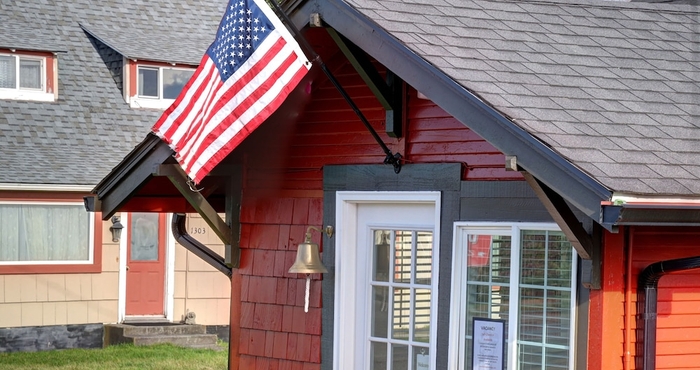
x: 144, y: 237
x: 558, y: 317
x: 7, y: 72
x: 530, y: 326
x: 174, y: 80
x: 402, y: 256
x: 556, y: 358
x: 148, y: 82
x: 382, y: 253
x: 533, y: 257
x: 402, y: 313
x: 380, y: 312
x: 421, y: 316
x: 29, y: 74
x: 424, y: 257
x: 378, y: 356
x: 44, y: 233
x: 421, y: 358
x: 559, y: 260
x: 530, y: 357
x: 399, y: 357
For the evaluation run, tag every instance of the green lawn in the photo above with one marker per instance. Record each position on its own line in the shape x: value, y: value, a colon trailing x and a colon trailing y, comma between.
x: 158, y: 357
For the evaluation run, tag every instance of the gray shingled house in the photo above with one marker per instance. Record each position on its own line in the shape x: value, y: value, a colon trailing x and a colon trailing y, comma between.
x: 81, y: 82
x: 549, y: 182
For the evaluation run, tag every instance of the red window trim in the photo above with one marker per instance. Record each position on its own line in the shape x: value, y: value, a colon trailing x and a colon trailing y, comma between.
x: 94, y: 267
x: 49, y: 67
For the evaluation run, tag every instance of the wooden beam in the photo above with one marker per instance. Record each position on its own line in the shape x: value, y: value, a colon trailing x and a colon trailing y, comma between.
x: 562, y: 215
x: 178, y: 177
x: 389, y: 92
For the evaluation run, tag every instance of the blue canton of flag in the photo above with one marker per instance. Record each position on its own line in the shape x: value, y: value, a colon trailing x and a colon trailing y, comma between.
x: 246, y: 74
x: 243, y: 28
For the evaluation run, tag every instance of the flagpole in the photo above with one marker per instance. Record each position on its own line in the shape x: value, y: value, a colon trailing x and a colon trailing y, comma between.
x: 391, y: 158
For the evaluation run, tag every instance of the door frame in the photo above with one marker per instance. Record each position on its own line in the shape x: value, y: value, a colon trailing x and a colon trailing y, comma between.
x: 169, y: 291
x: 346, y: 208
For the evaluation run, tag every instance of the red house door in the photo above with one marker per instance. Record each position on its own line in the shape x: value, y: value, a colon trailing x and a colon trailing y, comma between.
x: 145, y: 275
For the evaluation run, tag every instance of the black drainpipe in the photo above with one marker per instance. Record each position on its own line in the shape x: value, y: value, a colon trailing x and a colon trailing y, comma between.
x: 193, y: 245
x: 646, y: 306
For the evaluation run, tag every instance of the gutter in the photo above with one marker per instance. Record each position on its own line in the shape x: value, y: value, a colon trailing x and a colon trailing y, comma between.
x: 647, y: 306
x: 197, y: 248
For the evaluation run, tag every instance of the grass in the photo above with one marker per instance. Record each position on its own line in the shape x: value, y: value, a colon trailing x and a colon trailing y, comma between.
x: 157, y: 357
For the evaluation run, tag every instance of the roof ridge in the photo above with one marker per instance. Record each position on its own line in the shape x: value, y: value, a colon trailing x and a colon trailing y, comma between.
x: 613, y: 4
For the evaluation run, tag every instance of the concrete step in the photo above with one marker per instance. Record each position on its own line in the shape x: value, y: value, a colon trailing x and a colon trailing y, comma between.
x: 178, y: 340
x: 142, y: 334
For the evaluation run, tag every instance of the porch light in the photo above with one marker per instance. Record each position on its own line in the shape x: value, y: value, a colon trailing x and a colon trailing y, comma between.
x: 308, y: 261
x: 116, y: 229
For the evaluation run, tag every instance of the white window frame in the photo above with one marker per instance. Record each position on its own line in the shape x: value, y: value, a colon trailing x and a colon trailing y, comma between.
x: 458, y: 324
x: 91, y: 237
x: 153, y: 102
x: 346, y: 288
x: 18, y: 93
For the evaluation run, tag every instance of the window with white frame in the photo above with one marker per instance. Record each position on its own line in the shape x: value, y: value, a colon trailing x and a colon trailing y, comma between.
x: 23, y: 77
x: 45, y: 233
x: 158, y: 86
x: 523, y: 274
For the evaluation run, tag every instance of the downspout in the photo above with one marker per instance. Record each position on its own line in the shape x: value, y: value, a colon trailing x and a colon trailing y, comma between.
x: 179, y: 228
x: 646, y: 306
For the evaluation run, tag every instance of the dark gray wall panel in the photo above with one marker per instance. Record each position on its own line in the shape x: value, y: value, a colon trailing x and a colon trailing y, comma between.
x: 44, y: 338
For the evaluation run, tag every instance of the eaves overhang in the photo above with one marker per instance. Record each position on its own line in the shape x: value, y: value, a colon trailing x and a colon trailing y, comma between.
x: 650, y: 214
x: 577, y: 187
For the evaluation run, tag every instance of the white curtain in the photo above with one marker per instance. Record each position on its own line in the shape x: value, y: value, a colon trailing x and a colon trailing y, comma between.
x: 7, y: 72
x: 29, y: 74
x: 43, y: 233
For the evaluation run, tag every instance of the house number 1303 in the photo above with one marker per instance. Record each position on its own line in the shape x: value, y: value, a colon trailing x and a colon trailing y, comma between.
x: 198, y: 230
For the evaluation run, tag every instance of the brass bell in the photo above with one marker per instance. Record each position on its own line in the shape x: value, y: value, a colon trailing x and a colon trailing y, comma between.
x: 308, y: 258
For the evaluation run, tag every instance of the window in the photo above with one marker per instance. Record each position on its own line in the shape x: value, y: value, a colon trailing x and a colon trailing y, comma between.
x: 36, y: 233
x: 26, y: 77
x: 523, y: 274
x: 158, y: 86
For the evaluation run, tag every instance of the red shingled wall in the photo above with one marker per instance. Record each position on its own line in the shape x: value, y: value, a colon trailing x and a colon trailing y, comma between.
x: 283, y: 195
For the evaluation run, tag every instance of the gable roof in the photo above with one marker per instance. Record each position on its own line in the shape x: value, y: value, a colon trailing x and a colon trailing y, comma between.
x: 611, y: 87
x: 54, y: 143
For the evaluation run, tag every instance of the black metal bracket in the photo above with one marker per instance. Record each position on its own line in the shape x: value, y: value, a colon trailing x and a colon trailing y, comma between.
x: 389, y: 92
x: 315, y: 58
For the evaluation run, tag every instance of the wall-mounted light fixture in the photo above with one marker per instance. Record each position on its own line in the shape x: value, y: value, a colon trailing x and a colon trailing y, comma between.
x: 116, y: 229
x: 309, y: 260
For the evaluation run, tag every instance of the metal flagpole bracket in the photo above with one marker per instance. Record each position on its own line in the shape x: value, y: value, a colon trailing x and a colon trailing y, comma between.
x: 391, y: 158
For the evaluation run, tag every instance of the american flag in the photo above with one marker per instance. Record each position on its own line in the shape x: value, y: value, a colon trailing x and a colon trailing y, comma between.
x: 245, y: 75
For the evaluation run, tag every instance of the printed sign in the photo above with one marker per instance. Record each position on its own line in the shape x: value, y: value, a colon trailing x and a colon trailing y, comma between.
x: 422, y: 361
x: 488, y: 342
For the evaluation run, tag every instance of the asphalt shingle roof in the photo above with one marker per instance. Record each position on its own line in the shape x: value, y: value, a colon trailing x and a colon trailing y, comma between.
x: 79, y: 138
x: 613, y: 87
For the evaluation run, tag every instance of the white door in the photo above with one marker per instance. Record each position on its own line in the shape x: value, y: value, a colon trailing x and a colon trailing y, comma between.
x: 386, y: 280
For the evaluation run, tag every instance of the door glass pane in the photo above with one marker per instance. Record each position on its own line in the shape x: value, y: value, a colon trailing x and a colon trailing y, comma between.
x: 399, y: 357
x: 530, y: 357
x: 144, y: 236
x: 377, y: 356
x: 174, y: 80
x: 7, y: 72
x: 559, y: 260
x: 558, y: 317
x: 29, y: 74
x: 402, y: 313
x: 402, y: 256
x: 380, y: 311
x: 421, y: 358
x: 424, y: 257
x: 382, y: 255
x: 531, y: 314
x: 532, y: 267
x: 556, y: 358
x: 421, y: 316
x: 148, y: 82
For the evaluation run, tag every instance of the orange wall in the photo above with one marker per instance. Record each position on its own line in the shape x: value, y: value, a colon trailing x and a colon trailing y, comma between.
x: 678, y: 325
